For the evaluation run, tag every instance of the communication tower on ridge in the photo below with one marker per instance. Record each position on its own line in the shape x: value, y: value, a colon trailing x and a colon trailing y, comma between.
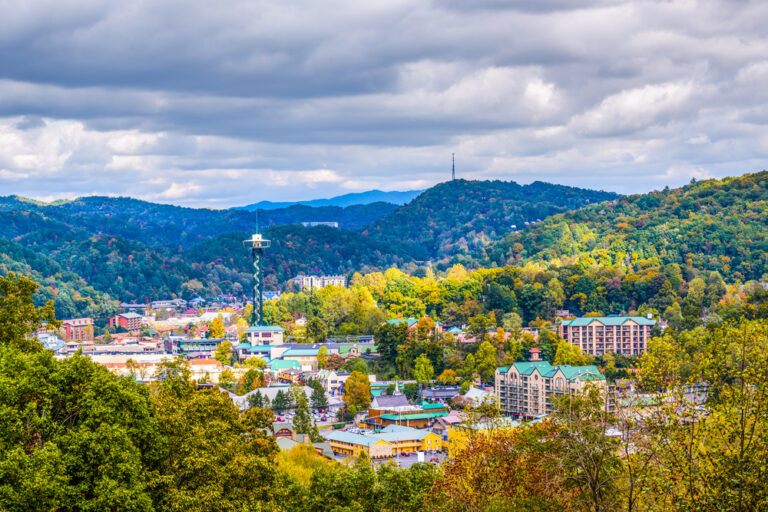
x: 257, y: 245
x: 453, y: 167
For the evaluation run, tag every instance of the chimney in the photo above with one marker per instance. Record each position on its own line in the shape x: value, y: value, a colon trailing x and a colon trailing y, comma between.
x: 535, y: 355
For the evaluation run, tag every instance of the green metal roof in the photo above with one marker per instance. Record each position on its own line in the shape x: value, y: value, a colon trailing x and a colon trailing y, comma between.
x: 547, y: 370
x: 284, y: 365
x: 262, y: 328
x: 407, y: 321
x: 414, y: 416
x: 427, y: 405
x: 608, y: 320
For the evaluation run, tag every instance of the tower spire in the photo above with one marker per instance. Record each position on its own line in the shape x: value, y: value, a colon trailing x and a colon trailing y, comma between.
x: 453, y: 167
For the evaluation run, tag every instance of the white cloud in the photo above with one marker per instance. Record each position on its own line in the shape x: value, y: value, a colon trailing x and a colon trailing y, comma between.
x: 290, y: 99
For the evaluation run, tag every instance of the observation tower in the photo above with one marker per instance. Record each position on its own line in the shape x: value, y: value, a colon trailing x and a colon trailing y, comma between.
x: 257, y: 245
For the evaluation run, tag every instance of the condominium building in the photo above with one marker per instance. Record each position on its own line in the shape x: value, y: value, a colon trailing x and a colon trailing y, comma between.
x: 626, y: 335
x: 525, y: 390
x: 316, y: 282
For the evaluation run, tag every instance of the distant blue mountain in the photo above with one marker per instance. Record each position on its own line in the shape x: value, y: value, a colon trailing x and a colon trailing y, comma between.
x: 371, y: 196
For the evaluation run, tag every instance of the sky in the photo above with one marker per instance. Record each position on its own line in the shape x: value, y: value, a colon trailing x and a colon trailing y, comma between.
x: 217, y: 104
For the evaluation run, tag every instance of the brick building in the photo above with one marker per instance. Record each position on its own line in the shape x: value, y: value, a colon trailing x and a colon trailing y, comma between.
x: 129, y: 321
x: 78, y: 329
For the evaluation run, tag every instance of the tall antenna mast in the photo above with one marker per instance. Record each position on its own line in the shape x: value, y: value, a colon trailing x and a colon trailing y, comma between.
x: 453, y: 167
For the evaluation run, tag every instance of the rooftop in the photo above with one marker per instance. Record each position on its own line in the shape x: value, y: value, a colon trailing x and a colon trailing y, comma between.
x: 608, y: 320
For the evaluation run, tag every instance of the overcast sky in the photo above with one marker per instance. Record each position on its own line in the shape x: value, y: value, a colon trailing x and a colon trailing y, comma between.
x: 225, y: 103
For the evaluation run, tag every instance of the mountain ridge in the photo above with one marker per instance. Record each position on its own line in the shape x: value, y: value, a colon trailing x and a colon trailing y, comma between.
x: 354, y: 198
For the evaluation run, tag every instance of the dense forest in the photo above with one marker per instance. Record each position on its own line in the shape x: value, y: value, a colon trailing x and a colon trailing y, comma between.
x: 714, y: 225
x: 458, y: 217
x: 130, y: 250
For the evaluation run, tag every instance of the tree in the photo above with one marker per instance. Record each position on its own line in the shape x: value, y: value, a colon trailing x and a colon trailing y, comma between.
x: 302, y: 420
x: 322, y: 357
x: 335, y: 362
x: 226, y: 377
x: 258, y: 400
x: 485, y: 360
x: 107, y: 336
x: 216, y: 329
x: 356, y: 365
x: 388, y: 337
x: 223, y: 353
x: 423, y: 370
x: 411, y: 391
x: 568, y: 353
x: 281, y: 402
x: 357, y: 390
x: 448, y: 377
x: 317, y: 330
x: 318, y: 398
x: 19, y: 317
x: 583, y: 452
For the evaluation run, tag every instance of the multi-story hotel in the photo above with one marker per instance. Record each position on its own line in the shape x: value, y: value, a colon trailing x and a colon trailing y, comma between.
x: 525, y: 390
x: 626, y: 335
x: 78, y: 329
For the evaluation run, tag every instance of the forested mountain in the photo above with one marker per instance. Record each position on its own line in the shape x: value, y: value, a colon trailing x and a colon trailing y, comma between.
x: 355, y: 198
x: 460, y: 216
x: 91, y: 252
x: 712, y: 225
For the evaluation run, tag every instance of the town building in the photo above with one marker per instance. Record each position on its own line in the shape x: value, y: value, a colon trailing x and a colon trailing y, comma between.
x: 388, y: 410
x: 78, y: 329
x: 265, y: 335
x: 316, y: 282
x: 332, y: 381
x: 129, y: 321
x: 391, y: 441
x: 626, y: 335
x: 525, y: 390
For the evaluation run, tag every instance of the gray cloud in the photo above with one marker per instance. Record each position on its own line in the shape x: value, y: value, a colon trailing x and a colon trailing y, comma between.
x: 218, y: 104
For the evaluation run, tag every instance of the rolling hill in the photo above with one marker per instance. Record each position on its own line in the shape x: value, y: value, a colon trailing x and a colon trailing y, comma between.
x: 459, y: 217
x: 712, y: 225
x: 94, y: 251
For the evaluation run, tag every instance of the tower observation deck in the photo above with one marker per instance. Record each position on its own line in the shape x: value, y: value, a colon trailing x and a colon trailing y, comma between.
x: 257, y: 245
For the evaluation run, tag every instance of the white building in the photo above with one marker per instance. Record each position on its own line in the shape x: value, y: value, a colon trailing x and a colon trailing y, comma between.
x: 317, y: 282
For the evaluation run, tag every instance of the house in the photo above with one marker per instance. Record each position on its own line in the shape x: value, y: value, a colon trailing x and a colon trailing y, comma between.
x: 78, y: 329
x: 332, y: 381
x: 626, y: 335
x: 129, y: 321
x: 440, y: 393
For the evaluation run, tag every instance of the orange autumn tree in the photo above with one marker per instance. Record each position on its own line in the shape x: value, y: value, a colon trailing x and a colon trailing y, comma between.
x: 507, y: 469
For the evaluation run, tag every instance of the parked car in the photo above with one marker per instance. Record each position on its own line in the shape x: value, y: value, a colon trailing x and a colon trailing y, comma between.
x: 405, y: 454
